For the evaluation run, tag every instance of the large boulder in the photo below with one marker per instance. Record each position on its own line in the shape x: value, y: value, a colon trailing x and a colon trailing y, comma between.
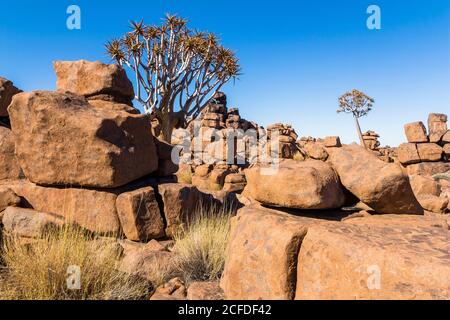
x: 94, y: 80
x: 428, y: 191
x: 9, y: 167
x: 382, y: 186
x: 416, y: 132
x: 374, y: 261
x: 29, y: 223
x: 63, y: 140
x: 310, y: 184
x: 261, y: 257
x: 139, y: 215
x: 437, y: 126
x: 93, y: 210
x: 7, y: 91
x: 429, y: 152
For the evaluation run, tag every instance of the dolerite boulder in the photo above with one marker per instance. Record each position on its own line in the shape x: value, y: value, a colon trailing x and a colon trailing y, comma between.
x: 93, y: 210
x: 94, y: 80
x: 293, y: 184
x: 29, y: 223
x: 7, y: 91
x: 375, y: 258
x: 61, y: 139
x: 9, y: 167
x: 382, y: 186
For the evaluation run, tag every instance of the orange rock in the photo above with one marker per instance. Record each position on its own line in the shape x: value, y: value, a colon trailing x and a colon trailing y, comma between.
x: 345, y: 261
x: 262, y: 254
x: 91, y: 209
x: 63, y: 140
x: 382, y: 186
x: 203, y: 291
x: 429, y: 152
x: 437, y: 126
x: 416, y: 132
x: 428, y: 168
x: 8, y: 198
x: 139, y: 215
x: 29, y: 223
x: 94, y: 80
x: 309, y: 184
x: 9, y: 167
x: 7, y: 91
x: 408, y: 154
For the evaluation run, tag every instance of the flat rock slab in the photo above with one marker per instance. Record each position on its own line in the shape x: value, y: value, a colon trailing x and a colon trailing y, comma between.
x: 261, y: 258
x: 91, y: 209
x: 377, y: 260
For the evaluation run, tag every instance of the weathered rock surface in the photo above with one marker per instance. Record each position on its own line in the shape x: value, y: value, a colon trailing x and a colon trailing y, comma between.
x: 29, y: 223
x: 437, y: 126
x: 345, y: 261
x: 428, y: 168
x: 63, y: 140
x: 144, y: 262
x: 139, y: 215
x: 180, y: 202
x: 408, y: 154
x: 416, y: 132
x: 94, y: 80
x: 261, y: 258
x: 429, y: 152
x: 8, y: 198
x: 7, y: 91
x: 310, y: 184
x: 172, y: 290
x: 9, y: 167
x: 203, y: 291
x: 382, y: 186
x: 91, y: 209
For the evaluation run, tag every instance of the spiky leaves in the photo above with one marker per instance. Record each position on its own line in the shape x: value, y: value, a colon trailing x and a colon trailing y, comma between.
x: 355, y: 102
x: 175, y: 67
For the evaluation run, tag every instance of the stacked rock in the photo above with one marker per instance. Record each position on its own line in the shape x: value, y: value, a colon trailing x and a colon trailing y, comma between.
x: 234, y: 120
x: 313, y: 148
x: 371, y: 140
x: 89, y: 158
x: 281, y: 139
x: 423, y: 147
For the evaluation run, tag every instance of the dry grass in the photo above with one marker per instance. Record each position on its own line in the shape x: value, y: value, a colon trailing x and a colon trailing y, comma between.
x: 201, y: 247
x: 298, y: 156
x: 184, y: 177
x: 39, y: 270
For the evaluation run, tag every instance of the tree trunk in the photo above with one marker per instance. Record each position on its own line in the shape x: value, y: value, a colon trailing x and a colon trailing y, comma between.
x: 358, y: 128
x: 166, y: 128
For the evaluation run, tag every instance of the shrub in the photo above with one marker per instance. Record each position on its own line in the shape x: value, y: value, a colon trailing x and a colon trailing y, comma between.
x: 201, y: 246
x: 39, y: 270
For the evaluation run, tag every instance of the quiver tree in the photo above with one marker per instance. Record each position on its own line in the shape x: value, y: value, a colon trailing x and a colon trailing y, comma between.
x: 358, y: 104
x: 177, y: 70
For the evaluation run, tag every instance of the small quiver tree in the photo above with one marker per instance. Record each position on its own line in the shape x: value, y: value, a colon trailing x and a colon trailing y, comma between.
x: 358, y: 104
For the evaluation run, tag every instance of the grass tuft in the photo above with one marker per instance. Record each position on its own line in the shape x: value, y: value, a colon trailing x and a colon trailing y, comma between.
x: 38, y: 270
x: 201, y: 246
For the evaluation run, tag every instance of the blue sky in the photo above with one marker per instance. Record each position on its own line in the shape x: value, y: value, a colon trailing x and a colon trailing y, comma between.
x: 297, y: 56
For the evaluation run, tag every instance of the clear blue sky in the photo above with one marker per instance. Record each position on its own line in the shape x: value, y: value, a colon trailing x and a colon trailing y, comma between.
x: 297, y: 56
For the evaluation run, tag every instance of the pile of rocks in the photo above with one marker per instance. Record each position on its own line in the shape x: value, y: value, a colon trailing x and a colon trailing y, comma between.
x: 84, y: 155
x: 433, y: 146
x: 371, y: 140
x: 281, y: 141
